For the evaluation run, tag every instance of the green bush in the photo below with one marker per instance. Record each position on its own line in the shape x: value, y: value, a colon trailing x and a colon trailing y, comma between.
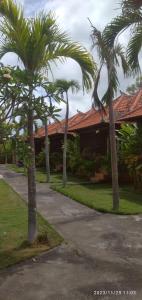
x: 73, y: 155
x: 85, y: 164
x: 6, y: 152
x: 40, y: 159
x: 130, y: 157
x: 86, y: 168
x: 56, y: 161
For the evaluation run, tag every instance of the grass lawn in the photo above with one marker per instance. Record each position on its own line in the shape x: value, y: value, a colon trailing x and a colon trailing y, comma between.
x: 41, y: 175
x: 13, y: 229
x: 99, y: 197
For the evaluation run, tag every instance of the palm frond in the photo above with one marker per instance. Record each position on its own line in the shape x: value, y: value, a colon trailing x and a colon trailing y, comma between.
x: 134, y: 47
x: 120, y: 24
x: 131, y: 4
x: 39, y: 41
x: 113, y: 83
x: 13, y: 13
x: 119, y: 53
x: 48, y: 28
x: 96, y: 100
x: 44, y: 35
x: 80, y: 55
x: 64, y: 85
x: 99, y: 44
x: 14, y: 27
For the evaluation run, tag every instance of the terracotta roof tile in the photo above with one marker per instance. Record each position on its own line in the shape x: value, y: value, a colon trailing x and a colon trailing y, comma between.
x: 135, y: 114
x: 124, y: 105
x: 58, y: 127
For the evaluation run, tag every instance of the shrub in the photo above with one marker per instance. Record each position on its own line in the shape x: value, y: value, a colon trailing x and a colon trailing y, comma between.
x: 56, y: 161
x: 40, y: 159
x: 130, y: 145
x: 73, y: 154
x: 86, y: 168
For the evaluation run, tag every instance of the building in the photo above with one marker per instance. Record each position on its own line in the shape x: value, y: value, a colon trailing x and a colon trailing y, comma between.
x: 92, y: 126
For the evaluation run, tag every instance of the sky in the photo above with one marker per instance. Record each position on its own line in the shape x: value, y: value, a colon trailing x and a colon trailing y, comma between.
x: 72, y: 16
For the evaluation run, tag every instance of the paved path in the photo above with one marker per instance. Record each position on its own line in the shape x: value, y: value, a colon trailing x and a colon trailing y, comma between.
x: 101, y: 252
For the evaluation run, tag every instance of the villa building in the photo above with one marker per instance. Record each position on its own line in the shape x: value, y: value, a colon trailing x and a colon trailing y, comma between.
x: 92, y: 126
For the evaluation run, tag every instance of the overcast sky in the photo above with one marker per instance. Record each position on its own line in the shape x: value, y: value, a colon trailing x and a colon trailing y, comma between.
x: 72, y: 16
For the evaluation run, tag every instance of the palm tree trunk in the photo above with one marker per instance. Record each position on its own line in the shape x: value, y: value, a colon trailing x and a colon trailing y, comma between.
x: 32, y: 224
x: 65, y: 143
x: 114, y: 164
x: 47, y: 152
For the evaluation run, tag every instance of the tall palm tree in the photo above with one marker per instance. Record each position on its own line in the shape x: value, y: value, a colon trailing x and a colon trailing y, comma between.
x: 110, y: 58
x: 38, y: 42
x: 50, y: 112
x: 131, y: 17
x: 45, y: 112
x: 64, y: 87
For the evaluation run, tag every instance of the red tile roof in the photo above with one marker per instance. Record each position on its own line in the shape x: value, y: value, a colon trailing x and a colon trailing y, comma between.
x: 133, y: 115
x: 58, y: 127
x: 91, y: 118
x: 124, y: 105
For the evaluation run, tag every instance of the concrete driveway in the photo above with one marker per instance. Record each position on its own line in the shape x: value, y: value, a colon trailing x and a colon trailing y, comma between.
x: 100, y: 259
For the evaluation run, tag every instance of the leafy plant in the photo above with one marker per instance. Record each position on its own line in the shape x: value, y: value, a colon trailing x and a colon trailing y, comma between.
x: 130, y: 145
x: 73, y: 154
x: 40, y: 159
x: 56, y: 161
x: 86, y: 168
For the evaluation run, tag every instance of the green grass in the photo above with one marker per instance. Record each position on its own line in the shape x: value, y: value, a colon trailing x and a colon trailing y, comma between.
x: 13, y: 229
x: 41, y: 175
x: 99, y: 197
x: 16, y: 169
x: 96, y: 196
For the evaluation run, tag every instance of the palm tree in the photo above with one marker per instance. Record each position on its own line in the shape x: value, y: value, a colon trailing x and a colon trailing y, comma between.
x: 50, y: 112
x: 38, y: 42
x: 131, y: 17
x: 109, y: 57
x: 45, y: 112
x: 64, y: 87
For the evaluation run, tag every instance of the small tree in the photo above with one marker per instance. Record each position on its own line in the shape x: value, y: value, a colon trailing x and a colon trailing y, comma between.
x: 64, y: 87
